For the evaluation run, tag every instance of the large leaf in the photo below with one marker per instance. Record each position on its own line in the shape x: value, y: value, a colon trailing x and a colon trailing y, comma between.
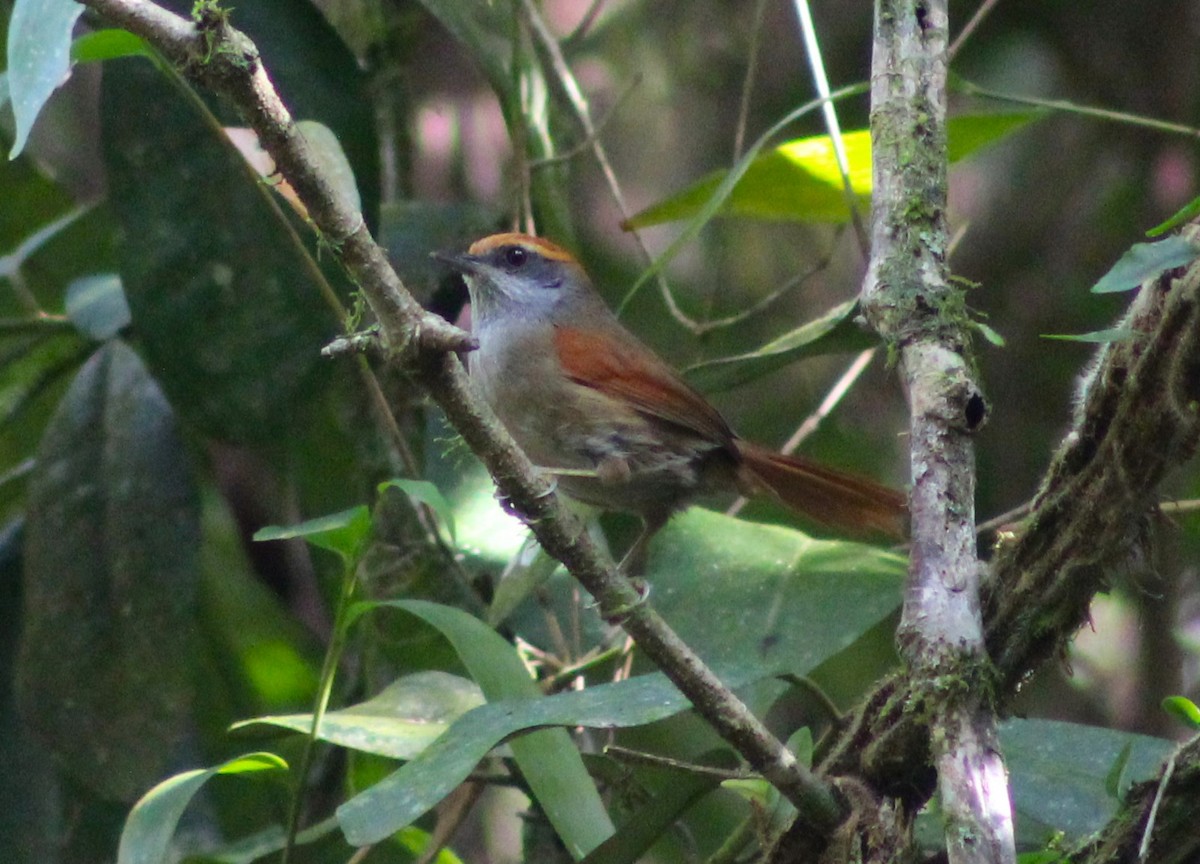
x: 227, y: 311
x: 39, y: 58
x: 226, y: 302
x: 800, y: 181
x: 1060, y: 772
x: 111, y: 570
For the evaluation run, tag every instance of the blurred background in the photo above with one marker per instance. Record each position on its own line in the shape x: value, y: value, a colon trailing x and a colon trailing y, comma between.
x: 677, y: 90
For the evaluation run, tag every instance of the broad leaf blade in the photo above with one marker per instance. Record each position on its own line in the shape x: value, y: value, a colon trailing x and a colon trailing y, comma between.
x: 111, y: 573
x: 1145, y: 261
x: 39, y: 58
x: 800, y: 181
x: 1060, y: 772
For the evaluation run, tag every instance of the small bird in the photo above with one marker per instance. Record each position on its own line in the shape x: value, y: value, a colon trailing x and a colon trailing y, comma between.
x: 591, y: 404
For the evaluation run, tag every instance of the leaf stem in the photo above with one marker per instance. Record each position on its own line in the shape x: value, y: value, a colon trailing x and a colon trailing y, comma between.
x: 333, y: 654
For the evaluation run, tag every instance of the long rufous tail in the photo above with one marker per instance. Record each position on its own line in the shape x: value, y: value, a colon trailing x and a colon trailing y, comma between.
x: 844, y: 502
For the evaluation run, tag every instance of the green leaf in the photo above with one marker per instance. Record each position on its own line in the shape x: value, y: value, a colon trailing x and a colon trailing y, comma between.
x: 111, y: 571
x: 527, y: 571
x: 1060, y: 770
x: 647, y: 823
x: 108, y: 44
x: 400, y: 722
x: 1112, y: 782
x: 789, y: 602
x: 228, y: 311
x: 342, y: 533
x: 424, y: 492
x: 146, y: 838
x: 39, y: 49
x: 1111, y: 334
x: 1145, y: 261
x: 833, y: 332
x: 331, y: 158
x: 548, y: 759
x: 419, y: 785
x: 1185, y: 214
x: 96, y: 306
x: 1184, y: 709
x: 800, y: 181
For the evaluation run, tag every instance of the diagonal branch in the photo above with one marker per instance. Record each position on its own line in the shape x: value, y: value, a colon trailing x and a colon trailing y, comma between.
x: 227, y: 62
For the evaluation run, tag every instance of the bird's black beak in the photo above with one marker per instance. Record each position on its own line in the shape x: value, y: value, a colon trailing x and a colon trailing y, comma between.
x: 459, y: 262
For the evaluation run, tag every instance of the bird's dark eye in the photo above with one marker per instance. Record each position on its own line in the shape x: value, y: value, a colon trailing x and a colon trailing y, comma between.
x: 516, y: 256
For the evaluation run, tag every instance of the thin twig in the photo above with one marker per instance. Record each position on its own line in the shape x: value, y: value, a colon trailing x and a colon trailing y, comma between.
x: 965, y: 34
x: 739, y: 133
x: 1068, y: 107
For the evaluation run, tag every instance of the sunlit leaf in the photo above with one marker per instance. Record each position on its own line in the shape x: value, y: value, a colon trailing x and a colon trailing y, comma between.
x: 1182, y: 708
x: 1145, y: 261
x: 800, y: 180
x: 108, y: 44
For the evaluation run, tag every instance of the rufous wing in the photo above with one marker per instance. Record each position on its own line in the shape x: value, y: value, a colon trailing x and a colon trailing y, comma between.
x: 614, y: 363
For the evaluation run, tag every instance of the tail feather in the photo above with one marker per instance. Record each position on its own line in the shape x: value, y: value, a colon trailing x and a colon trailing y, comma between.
x: 842, y: 501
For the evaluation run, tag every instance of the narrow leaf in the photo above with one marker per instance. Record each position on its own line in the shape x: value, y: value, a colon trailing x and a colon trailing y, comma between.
x: 401, y: 721
x: 1111, y: 334
x: 833, y: 332
x: 1185, y: 214
x: 343, y: 533
x: 146, y: 837
x: 1145, y: 261
x: 424, y: 492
